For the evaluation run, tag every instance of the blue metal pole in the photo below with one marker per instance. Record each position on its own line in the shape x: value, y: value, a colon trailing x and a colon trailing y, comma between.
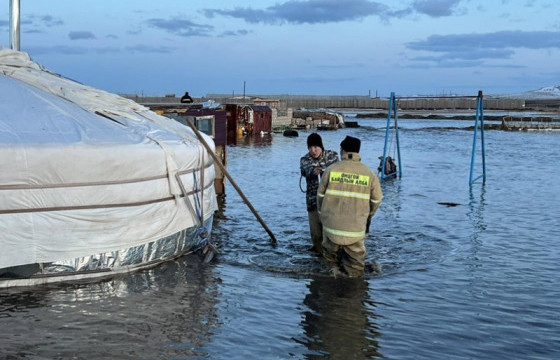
x: 474, y: 145
x: 399, y: 170
x: 479, y: 116
x: 391, y: 107
x: 482, y: 143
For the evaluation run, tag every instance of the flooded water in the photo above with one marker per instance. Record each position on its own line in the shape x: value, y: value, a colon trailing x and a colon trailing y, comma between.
x: 479, y: 280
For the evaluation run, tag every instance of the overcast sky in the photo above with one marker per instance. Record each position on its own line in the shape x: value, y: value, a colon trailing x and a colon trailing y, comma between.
x: 319, y: 47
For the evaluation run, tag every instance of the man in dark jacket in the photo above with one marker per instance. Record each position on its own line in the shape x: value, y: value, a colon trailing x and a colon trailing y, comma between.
x: 311, y: 167
x: 186, y: 98
x: 347, y: 199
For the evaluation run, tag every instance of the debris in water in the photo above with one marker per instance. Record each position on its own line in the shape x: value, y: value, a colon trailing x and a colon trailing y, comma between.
x: 448, y: 204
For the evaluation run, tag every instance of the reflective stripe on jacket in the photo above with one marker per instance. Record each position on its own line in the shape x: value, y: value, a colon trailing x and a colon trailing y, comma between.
x: 349, y: 195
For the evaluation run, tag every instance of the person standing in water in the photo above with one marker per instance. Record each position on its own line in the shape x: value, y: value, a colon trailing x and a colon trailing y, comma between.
x: 348, y: 196
x: 312, y: 166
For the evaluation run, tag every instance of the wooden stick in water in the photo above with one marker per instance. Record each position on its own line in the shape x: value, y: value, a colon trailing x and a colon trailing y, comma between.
x: 233, y: 183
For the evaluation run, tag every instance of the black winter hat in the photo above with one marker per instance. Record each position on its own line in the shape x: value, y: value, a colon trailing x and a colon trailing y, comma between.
x: 351, y: 144
x: 314, y: 139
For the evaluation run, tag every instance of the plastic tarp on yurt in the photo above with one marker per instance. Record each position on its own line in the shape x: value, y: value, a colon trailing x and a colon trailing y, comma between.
x: 84, y: 171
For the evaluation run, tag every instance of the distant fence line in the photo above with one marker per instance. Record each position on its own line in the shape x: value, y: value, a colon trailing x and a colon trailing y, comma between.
x: 353, y: 102
x: 405, y: 104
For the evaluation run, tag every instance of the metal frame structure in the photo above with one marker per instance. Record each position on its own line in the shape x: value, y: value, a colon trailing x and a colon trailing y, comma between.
x: 479, y: 123
x: 392, y: 111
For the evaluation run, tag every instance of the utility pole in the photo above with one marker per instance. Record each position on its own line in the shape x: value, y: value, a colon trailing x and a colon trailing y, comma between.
x: 14, y: 25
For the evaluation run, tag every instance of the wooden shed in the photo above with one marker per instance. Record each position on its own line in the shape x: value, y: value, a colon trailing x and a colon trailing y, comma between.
x: 218, y: 130
x: 271, y: 103
x: 247, y: 120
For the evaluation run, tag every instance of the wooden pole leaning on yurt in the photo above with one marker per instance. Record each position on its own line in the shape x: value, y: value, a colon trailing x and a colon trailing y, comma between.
x: 233, y: 183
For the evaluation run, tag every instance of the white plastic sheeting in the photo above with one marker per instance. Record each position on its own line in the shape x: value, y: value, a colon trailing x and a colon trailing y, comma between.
x: 83, y: 171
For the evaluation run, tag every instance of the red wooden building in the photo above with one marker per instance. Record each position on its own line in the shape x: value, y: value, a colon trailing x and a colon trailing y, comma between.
x: 247, y: 119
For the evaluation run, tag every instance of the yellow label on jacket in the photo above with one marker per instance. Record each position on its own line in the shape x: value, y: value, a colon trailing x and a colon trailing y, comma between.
x: 349, y: 178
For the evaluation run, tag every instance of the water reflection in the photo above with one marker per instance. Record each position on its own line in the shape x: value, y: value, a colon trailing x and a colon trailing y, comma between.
x: 254, y: 140
x: 476, y: 211
x: 392, y: 197
x: 336, y: 322
x: 12, y: 302
x: 178, y: 298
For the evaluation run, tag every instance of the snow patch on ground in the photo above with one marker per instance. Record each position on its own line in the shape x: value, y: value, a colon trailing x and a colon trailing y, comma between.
x: 547, y: 92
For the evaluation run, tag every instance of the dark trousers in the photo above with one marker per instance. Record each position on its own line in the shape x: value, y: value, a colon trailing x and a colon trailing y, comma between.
x: 349, y: 258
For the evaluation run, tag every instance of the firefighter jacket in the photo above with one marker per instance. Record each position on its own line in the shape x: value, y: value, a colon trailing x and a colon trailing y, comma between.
x: 348, y: 196
x: 306, y: 166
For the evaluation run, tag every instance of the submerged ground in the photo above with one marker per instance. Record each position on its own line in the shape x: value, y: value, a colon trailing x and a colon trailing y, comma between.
x: 471, y: 281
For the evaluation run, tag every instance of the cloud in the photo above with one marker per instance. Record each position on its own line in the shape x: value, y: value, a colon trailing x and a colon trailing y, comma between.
x: 494, y: 45
x: 330, y: 11
x: 319, y: 79
x: 35, y: 24
x: 150, y: 49
x: 57, y: 49
x: 50, y: 21
x: 81, y: 35
x: 445, y: 63
x: 134, y: 32
x: 470, y: 54
x: 353, y: 65
x: 234, y: 33
x: 43, y: 20
x: 32, y: 31
x: 181, y: 27
x: 6, y: 24
x: 308, y: 12
x: 435, y: 8
x: 108, y: 50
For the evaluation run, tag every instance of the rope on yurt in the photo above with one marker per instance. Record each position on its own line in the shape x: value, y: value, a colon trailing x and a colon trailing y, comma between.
x: 187, y: 201
x: 209, y: 250
x: 199, y: 202
x: 203, y: 233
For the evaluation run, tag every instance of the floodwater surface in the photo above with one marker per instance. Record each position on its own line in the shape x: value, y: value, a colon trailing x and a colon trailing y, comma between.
x: 467, y: 272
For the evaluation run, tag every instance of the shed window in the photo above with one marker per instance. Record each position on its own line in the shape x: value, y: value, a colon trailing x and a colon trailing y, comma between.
x: 205, y: 124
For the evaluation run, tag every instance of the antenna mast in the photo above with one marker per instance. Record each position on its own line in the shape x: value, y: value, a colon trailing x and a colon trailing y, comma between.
x: 14, y: 25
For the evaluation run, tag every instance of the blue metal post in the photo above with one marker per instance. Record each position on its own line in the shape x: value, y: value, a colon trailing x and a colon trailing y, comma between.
x: 399, y: 169
x: 392, y: 110
x: 479, y: 116
x: 482, y: 142
x: 387, y: 127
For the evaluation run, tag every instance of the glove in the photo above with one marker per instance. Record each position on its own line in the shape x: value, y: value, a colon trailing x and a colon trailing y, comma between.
x: 368, y: 223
